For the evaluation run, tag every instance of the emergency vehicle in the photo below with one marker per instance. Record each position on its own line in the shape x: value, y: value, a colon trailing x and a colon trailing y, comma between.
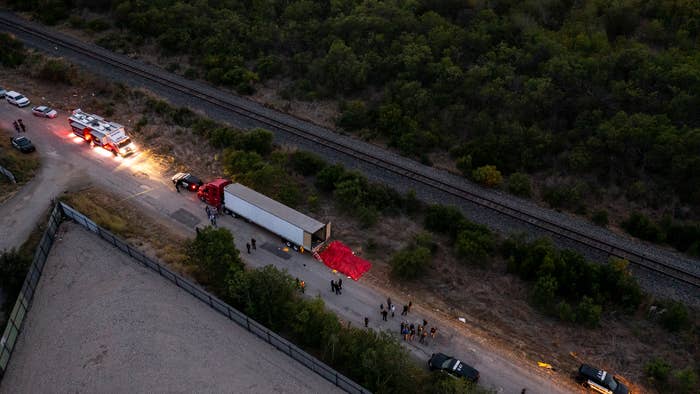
x: 100, y: 132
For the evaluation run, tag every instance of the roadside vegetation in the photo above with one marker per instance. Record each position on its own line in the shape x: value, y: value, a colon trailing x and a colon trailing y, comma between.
x: 593, y: 103
x: 303, y: 180
x: 14, y: 265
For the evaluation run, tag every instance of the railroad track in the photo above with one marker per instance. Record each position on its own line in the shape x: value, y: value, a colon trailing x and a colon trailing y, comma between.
x: 163, y: 78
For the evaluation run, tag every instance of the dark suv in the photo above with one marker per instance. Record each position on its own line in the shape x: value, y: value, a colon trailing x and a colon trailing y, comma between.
x: 600, y: 381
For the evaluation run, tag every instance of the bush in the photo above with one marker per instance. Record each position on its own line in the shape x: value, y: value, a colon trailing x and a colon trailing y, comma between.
x: 223, y: 137
x: 464, y: 165
x: 13, y: 269
x: 685, y: 381
x: 444, y: 219
x: 56, y: 70
x: 354, y: 115
x: 214, y: 253
x: 474, y: 247
x: 488, y: 176
x: 639, y: 225
x: 98, y: 25
x: 411, y: 262
x: 588, y: 312
x: 657, y: 371
x: 565, y: 312
x: 520, y: 184
x: 328, y: 176
x: 600, y: 218
x: 544, y: 292
x: 239, y: 162
x: 13, y: 53
x: 256, y: 140
x: 306, y: 163
x: 676, y: 317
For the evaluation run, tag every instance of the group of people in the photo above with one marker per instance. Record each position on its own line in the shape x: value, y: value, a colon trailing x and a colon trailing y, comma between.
x: 19, y: 126
x: 211, y: 214
x: 337, y: 287
x: 409, y: 331
x: 249, y: 244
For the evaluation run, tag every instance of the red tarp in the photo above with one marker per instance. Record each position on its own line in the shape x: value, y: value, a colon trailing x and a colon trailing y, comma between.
x: 340, y: 258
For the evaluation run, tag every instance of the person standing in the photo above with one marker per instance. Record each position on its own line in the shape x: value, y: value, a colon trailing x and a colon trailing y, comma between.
x: 24, y: 129
x: 366, y: 322
x: 303, y: 286
x: 252, y: 243
x: 405, y: 310
x: 433, y: 331
x: 332, y: 286
x: 247, y: 246
x: 337, y: 289
x: 14, y: 123
x: 384, y: 313
x: 340, y: 283
x: 410, y: 304
x: 177, y: 186
x: 393, y: 309
x: 388, y: 303
x: 423, y: 335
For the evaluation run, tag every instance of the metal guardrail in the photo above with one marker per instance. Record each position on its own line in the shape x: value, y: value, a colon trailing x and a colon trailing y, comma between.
x: 19, y: 312
x: 233, y: 314
x: 8, y: 174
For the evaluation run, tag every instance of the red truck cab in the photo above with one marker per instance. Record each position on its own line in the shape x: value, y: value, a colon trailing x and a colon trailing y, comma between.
x: 212, y: 193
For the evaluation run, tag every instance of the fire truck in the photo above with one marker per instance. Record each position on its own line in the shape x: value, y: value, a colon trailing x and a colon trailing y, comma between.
x: 100, y: 132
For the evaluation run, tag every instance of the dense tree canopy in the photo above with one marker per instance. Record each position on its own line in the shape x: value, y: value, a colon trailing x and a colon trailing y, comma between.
x: 606, y: 91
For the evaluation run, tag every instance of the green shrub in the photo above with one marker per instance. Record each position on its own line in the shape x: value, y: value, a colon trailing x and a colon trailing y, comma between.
x: 256, y: 140
x: 98, y: 25
x: 519, y: 184
x: 328, y: 176
x: 639, y: 225
x: 565, y: 312
x: 56, y: 70
x: 588, y: 312
x: 411, y: 262
x: 488, y: 176
x: 223, y: 137
x: 676, y: 317
x: 474, y: 247
x: 685, y: 381
x: 600, y: 218
x: 657, y: 371
x: 13, y: 269
x: 464, y: 165
x: 239, y: 162
x: 444, y: 219
x: 354, y: 115
x: 214, y: 252
x: 306, y: 163
x: 544, y: 292
x: 367, y: 216
x: 13, y: 53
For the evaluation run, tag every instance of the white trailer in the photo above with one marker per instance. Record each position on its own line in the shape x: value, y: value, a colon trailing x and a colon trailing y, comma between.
x: 291, y: 225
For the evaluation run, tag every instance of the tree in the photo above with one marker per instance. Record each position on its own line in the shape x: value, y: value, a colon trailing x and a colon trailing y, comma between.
x: 256, y: 140
x: 588, y: 312
x: 657, y: 371
x: 328, y: 176
x: 306, y: 163
x: 519, y: 184
x: 411, y: 262
x: 545, y: 291
x: 266, y: 294
x: 214, y: 253
x: 238, y: 162
x: 474, y: 246
x: 488, y: 176
x: 13, y: 52
x: 675, y: 318
x: 341, y: 69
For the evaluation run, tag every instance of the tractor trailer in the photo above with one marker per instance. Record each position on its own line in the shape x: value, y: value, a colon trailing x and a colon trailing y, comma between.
x: 240, y: 201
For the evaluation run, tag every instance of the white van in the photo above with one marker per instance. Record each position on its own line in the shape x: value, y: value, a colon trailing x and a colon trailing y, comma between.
x: 17, y: 99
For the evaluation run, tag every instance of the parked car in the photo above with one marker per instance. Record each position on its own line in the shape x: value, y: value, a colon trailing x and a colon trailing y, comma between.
x: 3, y: 92
x: 187, y: 180
x: 17, y: 99
x: 23, y: 144
x: 44, y: 112
x: 452, y: 366
x: 600, y: 381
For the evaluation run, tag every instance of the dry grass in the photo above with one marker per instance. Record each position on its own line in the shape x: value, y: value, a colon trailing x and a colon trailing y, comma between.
x: 127, y: 221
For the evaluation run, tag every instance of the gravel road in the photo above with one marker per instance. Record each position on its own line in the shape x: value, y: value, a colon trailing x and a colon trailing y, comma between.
x: 138, y: 179
x: 652, y: 283
x: 101, y: 322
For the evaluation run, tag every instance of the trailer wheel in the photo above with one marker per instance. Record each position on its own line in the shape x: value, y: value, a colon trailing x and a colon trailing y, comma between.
x: 227, y: 211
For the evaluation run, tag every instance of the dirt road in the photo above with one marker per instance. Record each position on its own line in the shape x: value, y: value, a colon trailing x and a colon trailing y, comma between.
x: 68, y: 162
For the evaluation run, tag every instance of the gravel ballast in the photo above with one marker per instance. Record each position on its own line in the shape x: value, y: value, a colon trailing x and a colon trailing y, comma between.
x: 100, y: 322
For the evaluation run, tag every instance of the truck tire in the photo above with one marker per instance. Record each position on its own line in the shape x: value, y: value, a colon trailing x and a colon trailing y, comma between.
x: 227, y: 211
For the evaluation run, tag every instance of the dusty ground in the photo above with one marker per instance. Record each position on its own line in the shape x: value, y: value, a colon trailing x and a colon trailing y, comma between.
x: 492, y: 301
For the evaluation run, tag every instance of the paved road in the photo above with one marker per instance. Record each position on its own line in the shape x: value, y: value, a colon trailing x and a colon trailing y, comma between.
x: 67, y: 161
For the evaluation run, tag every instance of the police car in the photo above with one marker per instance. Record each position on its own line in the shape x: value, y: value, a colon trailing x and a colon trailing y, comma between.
x: 600, y: 381
x: 452, y: 366
x: 187, y: 180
